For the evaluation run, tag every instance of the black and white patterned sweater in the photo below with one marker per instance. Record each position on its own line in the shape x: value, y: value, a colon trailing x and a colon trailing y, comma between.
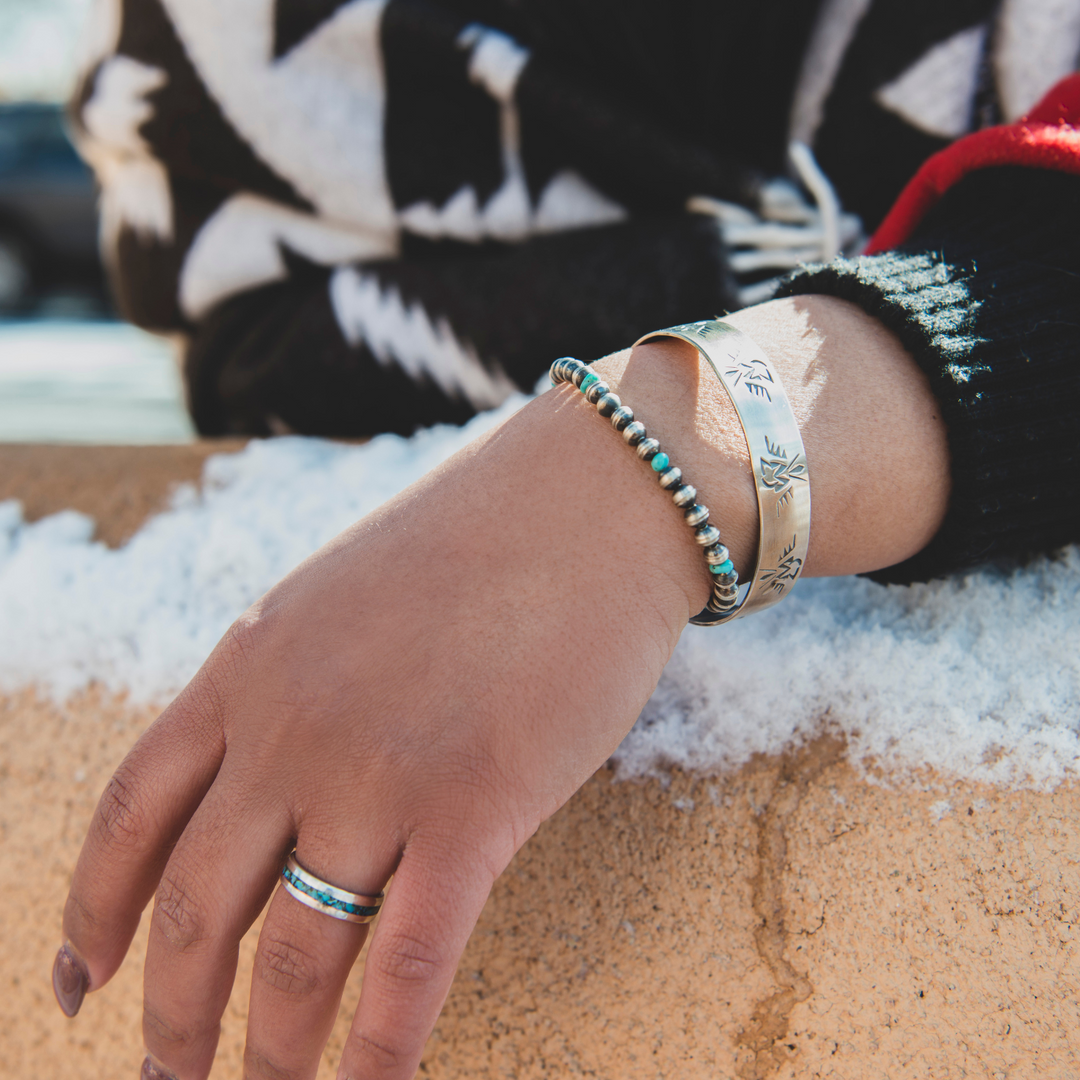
x: 371, y: 215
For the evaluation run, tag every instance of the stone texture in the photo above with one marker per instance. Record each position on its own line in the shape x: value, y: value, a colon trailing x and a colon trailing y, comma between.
x: 792, y: 920
x: 119, y: 486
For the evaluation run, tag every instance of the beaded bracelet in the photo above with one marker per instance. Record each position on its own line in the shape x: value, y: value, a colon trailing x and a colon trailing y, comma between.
x: 725, y: 578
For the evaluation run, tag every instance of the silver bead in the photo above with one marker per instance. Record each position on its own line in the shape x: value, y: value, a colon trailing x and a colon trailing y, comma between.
x: 597, y: 391
x: 578, y: 375
x: 717, y: 555
x: 722, y: 606
x: 726, y: 581
x: 647, y: 449
x: 696, y: 515
x: 562, y: 369
x: 634, y: 432
x: 685, y: 495
x: 670, y: 477
x: 622, y: 417
x: 607, y: 405
x: 706, y: 535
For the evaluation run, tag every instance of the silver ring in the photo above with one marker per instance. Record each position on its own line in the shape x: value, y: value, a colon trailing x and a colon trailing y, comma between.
x: 321, y: 896
x: 777, y: 456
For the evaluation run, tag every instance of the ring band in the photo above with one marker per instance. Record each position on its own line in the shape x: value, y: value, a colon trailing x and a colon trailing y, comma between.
x: 777, y: 457
x: 321, y: 896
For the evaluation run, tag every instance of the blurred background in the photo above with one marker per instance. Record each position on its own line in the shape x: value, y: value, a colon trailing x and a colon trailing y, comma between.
x: 70, y: 371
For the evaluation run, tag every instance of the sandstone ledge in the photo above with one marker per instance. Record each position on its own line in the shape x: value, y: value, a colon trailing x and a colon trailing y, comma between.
x: 789, y: 920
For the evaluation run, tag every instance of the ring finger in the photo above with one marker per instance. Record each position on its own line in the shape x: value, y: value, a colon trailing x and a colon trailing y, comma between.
x: 301, y: 966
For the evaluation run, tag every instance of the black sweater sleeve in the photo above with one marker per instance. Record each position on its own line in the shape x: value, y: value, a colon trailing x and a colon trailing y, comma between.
x: 986, y: 297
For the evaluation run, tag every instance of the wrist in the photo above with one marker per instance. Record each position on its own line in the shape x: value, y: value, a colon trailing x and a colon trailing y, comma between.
x: 875, y: 442
x: 875, y: 449
x: 641, y: 530
x: 684, y: 406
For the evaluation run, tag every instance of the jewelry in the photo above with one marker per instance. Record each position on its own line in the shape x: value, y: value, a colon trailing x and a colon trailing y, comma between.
x: 321, y: 896
x: 777, y: 456
x: 722, y: 572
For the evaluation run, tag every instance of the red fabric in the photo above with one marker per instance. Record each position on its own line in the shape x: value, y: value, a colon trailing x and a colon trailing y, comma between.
x: 1047, y: 138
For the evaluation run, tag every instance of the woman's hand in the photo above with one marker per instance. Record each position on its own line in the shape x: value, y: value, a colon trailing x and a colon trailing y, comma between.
x: 413, y: 700
x: 419, y: 695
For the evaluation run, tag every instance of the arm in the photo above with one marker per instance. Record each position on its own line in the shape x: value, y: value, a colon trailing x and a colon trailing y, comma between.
x: 982, y: 286
x: 420, y: 694
x: 984, y: 295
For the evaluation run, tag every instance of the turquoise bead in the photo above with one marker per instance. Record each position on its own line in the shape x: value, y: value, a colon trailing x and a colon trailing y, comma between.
x: 588, y: 381
x: 723, y: 568
x: 660, y: 462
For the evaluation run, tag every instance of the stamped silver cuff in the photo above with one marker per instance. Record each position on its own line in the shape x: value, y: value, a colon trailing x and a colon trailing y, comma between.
x: 781, y: 476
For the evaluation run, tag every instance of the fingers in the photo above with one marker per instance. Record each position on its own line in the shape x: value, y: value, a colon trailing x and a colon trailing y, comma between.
x: 301, y: 965
x: 219, y: 877
x: 430, y: 910
x: 139, y: 818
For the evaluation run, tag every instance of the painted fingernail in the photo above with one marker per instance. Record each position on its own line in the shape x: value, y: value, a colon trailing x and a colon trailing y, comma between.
x: 151, y: 1070
x: 70, y: 980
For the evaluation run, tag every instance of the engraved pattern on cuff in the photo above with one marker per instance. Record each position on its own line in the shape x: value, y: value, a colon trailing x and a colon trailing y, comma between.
x: 781, y: 477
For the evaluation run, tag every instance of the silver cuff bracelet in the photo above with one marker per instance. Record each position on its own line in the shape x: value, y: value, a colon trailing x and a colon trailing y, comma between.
x: 777, y: 457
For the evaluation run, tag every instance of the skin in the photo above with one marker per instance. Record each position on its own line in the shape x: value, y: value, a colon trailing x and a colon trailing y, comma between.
x: 419, y: 695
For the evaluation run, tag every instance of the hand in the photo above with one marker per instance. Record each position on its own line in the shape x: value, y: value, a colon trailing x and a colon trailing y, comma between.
x: 420, y: 694
x: 413, y: 700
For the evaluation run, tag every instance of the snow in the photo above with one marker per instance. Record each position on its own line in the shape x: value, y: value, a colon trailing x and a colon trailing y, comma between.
x: 977, y: 676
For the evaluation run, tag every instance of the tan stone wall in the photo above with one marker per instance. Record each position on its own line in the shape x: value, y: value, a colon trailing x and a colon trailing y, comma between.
x: 119, y: 486
x: 790, y: 920
x: 796, y: 922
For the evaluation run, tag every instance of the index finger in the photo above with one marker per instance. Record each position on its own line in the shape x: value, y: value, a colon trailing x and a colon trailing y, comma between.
x: 140, y: 816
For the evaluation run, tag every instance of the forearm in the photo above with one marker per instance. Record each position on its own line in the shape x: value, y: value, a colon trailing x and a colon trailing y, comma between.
x: 984, y: 295
x: 875, y: 442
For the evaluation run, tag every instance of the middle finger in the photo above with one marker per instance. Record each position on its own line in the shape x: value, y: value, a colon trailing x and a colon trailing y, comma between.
x: 213, y: 888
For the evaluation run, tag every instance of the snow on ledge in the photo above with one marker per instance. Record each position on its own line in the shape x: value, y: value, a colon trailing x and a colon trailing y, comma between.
x: 977, y: 677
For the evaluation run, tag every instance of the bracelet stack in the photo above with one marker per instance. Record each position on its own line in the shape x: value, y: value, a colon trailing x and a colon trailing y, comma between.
x: 777, y: 460
x: 725, y: 578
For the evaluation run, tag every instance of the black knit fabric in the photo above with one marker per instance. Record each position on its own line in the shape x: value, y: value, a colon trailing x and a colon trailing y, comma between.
x: 986, y: 297
x: 277, y: 354
x: 470, y: 188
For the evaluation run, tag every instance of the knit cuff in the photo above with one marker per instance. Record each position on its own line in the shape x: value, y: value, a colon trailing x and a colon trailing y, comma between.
x: 984, y: 296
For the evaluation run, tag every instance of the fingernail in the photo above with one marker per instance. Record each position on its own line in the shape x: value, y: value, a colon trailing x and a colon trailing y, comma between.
x: 70, y: 980
x: 151, y: 1070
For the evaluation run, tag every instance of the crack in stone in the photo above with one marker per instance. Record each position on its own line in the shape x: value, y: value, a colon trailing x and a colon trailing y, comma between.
x: 762, y: 1041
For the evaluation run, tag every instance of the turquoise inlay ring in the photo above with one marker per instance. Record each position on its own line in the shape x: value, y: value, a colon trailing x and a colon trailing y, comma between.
x: 321, y: 896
